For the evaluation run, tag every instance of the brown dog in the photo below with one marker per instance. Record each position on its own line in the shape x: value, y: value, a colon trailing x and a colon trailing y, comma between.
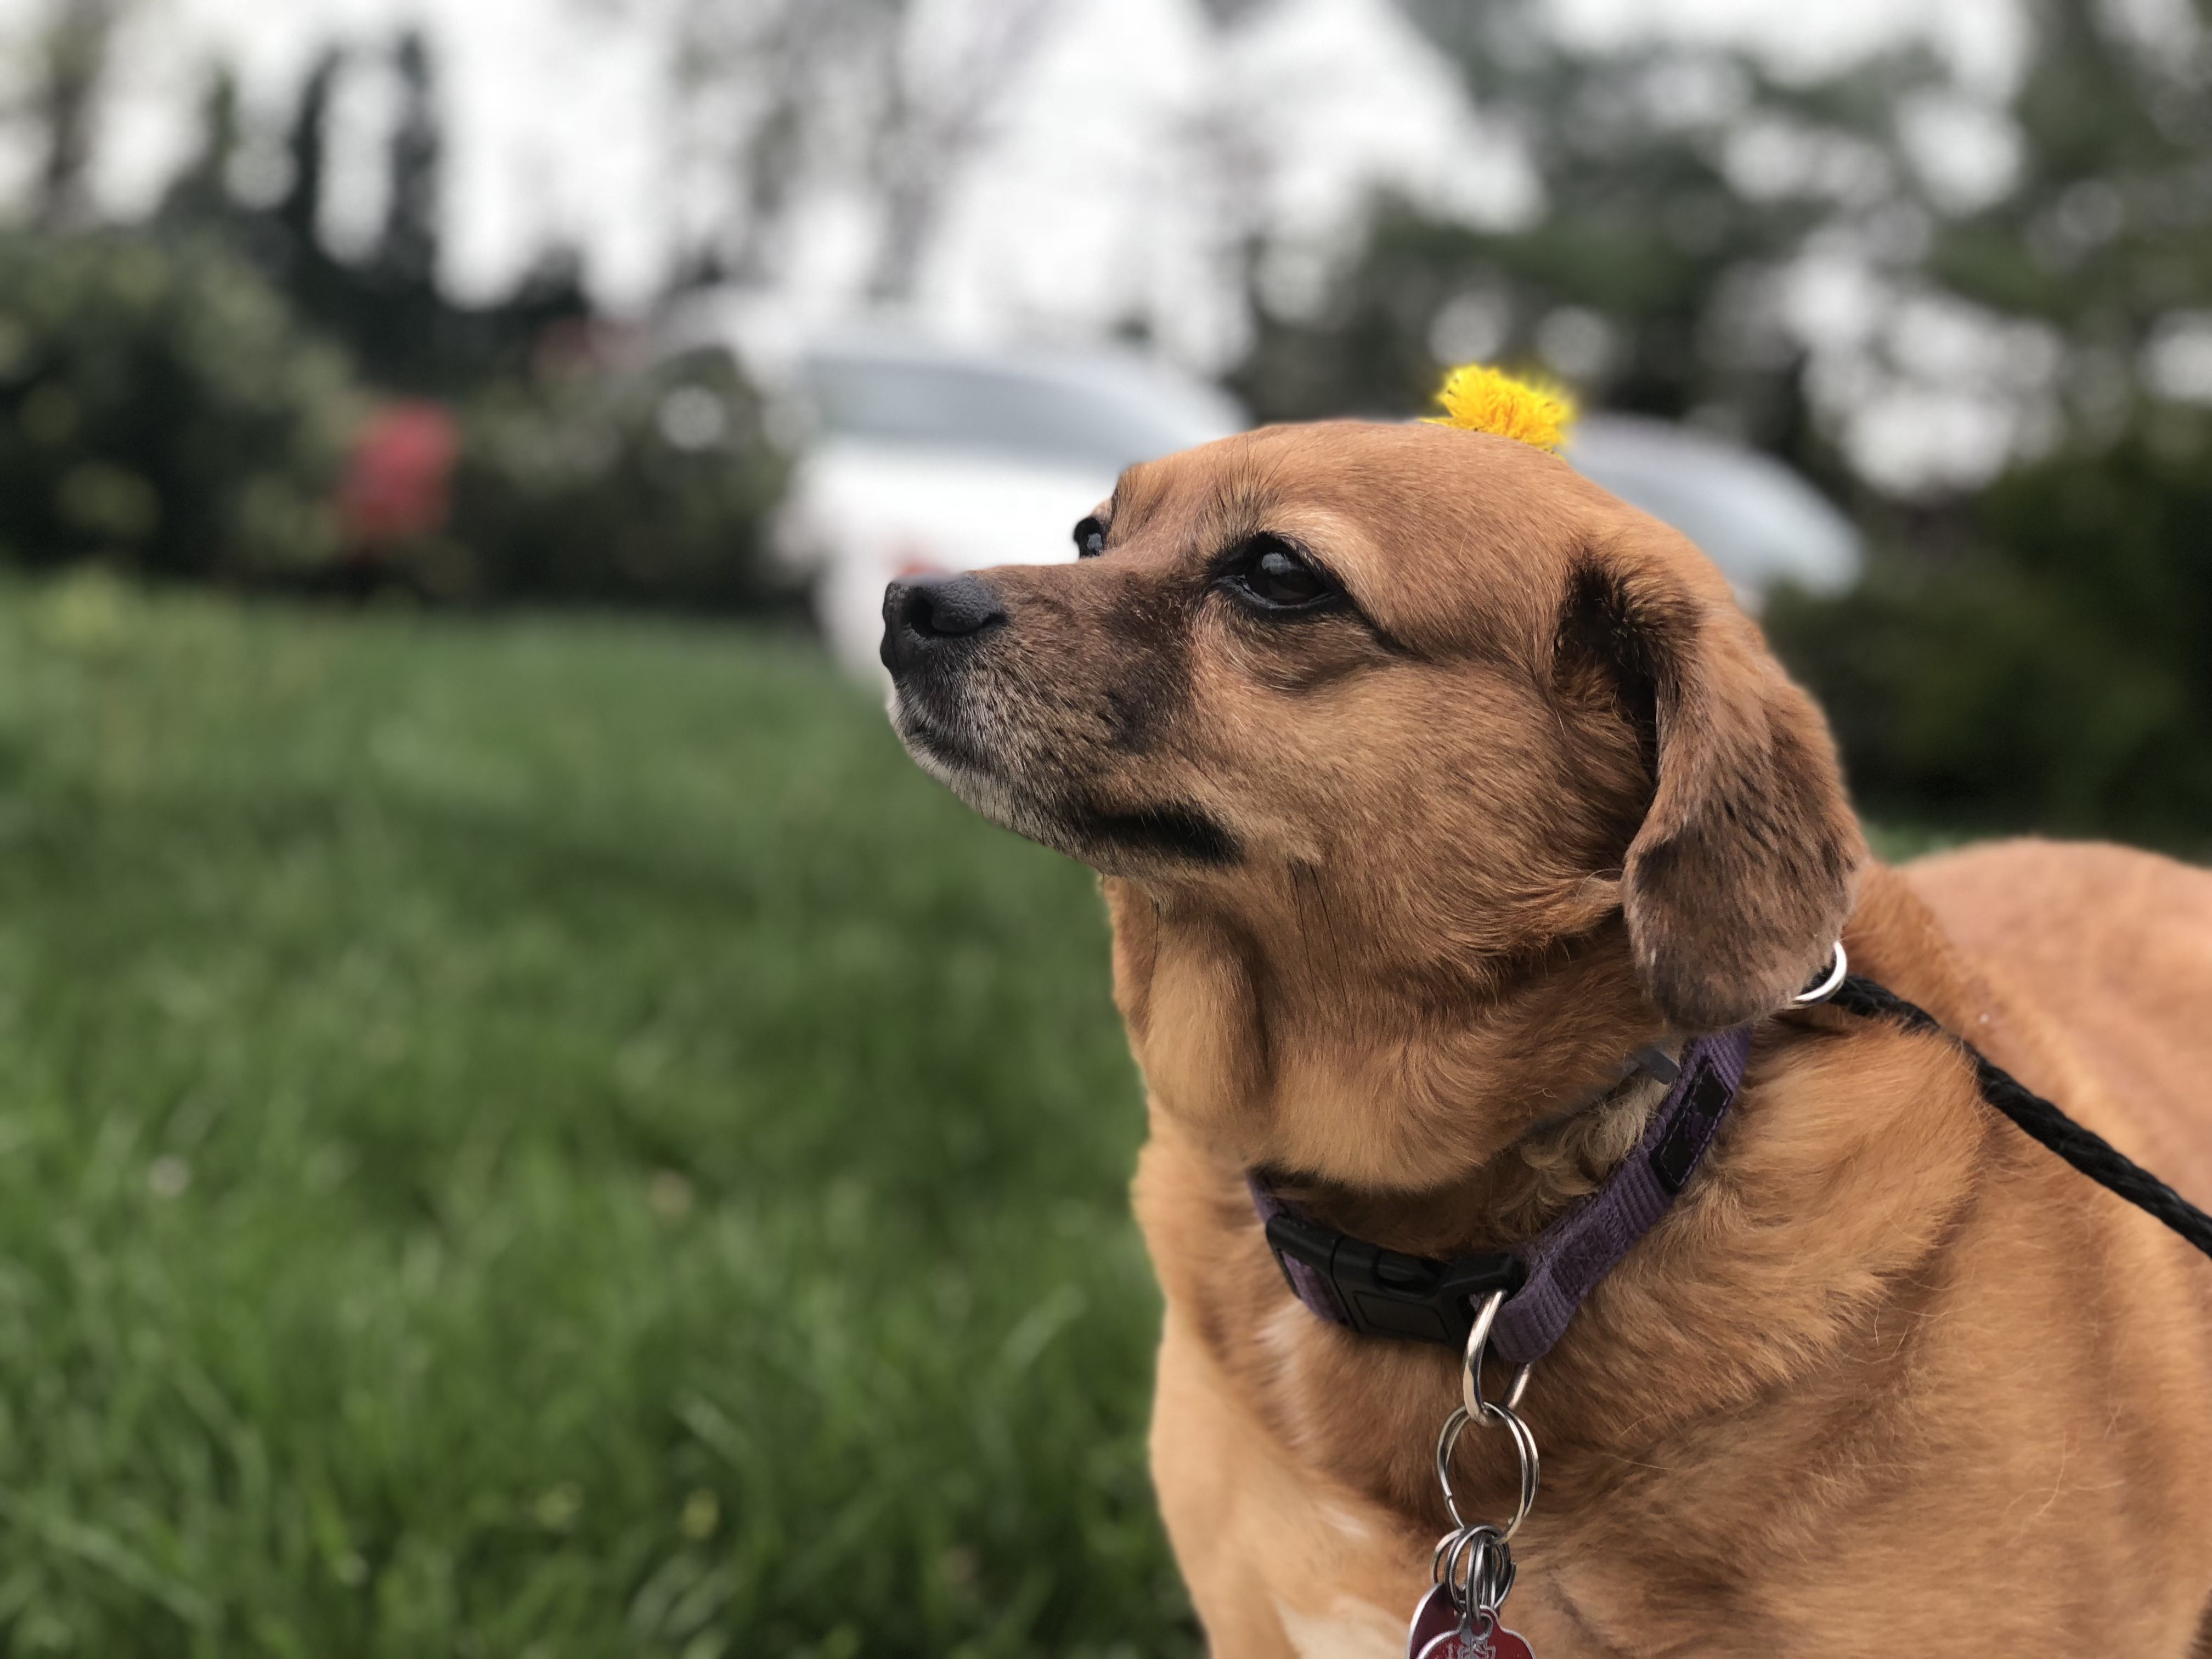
x: 1429, y: 781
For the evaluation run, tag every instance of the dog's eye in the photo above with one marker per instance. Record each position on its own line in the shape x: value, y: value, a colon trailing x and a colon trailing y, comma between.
x: 1090, y: 539
x: 1271, y: 576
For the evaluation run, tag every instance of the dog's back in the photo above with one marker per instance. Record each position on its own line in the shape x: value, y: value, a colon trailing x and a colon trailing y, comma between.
x: 2112, y: 948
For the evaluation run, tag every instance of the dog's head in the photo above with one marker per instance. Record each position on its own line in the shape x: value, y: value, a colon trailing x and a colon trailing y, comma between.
x: 1410, y: 708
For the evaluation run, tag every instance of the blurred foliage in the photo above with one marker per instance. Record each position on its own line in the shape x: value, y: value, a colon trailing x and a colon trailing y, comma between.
x: 650, y: 484
x: 2038, y: 656
x: 1645, y: 280
x: 160, y: 409
x: 163, y: 409
x: 2052, y: 670
x: 496, y: 1115
x: 2106, y: 234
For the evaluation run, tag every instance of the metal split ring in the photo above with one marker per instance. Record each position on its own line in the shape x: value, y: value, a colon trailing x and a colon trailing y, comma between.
x: 1827, y: 986
x: 1524, y: 1444
x: 1476, y: 1566
x: 1470, y: 1382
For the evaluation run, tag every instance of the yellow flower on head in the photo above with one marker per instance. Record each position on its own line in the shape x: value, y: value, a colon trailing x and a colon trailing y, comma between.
x: 1480, y: 399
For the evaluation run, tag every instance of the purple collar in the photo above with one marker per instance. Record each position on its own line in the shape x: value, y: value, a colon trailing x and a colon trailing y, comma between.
x: 1379, y: 1292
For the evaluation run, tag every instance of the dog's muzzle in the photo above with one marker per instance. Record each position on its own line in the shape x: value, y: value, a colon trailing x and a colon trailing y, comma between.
x: 931, y: 621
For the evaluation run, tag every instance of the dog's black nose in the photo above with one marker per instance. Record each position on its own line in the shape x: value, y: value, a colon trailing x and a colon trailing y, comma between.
x: 924, y: 614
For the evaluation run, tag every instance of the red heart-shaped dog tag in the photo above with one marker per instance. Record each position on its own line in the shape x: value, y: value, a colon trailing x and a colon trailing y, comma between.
x: 1435, y: 1617
x: 1436, y: 1634
x: 1495, y: 1643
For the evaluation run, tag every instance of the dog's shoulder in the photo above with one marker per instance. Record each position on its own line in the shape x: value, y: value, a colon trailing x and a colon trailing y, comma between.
x: 2110, y: 949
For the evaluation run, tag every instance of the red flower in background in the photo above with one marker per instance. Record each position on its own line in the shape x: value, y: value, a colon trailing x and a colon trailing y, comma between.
x: 398, y: 479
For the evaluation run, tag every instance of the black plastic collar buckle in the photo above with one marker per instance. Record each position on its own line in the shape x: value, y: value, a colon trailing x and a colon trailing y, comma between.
x: 1383, y: 1293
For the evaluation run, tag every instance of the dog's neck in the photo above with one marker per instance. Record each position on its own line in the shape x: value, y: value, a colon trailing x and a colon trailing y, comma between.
x: 1507, y: 1202
x: 1429, y: 1107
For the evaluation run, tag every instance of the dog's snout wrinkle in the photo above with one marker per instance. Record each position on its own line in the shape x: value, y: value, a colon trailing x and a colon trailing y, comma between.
x: 923, y: 614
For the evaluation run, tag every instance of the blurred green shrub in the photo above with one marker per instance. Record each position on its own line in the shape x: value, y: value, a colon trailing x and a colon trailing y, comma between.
x: 2051, y: 671
x: 164, y: 408
x: 160, y: 409
x: 640, y: 485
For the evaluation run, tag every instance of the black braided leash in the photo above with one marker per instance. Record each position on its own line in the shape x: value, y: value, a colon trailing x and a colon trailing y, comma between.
x: 2043, y: 1121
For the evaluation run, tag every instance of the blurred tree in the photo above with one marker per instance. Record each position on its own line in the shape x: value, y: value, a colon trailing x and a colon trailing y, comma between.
x: 888, y: 99
x: 2049, y: 672
x: 769, y: 84
x: 1647, y: 281
x: 298, y: 211
x: 200, y: 191
x: 73, y: 55
x: 386, y: 309
x: 407, y: 254
x: 397, y: 317
x: 2106, y: 235
x: 935, y: 101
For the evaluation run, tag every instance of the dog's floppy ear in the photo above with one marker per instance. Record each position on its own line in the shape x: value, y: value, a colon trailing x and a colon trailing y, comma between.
x: 1737, y: 884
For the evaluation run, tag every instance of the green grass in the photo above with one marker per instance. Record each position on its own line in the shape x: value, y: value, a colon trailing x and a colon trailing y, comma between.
x: 544, y: 1138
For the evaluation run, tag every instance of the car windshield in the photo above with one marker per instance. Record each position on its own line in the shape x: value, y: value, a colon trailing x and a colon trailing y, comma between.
x: 1004, y: 412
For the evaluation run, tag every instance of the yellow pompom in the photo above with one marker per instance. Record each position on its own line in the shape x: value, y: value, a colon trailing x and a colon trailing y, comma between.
x: 1484, y: 400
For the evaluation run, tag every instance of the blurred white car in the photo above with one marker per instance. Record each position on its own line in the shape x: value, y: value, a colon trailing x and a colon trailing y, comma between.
x: 925, y: 456
x: 1754, y: 518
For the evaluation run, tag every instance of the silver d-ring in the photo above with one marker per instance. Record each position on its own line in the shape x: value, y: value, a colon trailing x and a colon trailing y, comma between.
x: 1826, y: 987
x: 1470, y: 1377
x: 1524, y: 1445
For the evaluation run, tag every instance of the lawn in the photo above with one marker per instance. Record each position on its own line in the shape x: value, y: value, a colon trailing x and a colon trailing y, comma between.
x: 547, y: 1138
